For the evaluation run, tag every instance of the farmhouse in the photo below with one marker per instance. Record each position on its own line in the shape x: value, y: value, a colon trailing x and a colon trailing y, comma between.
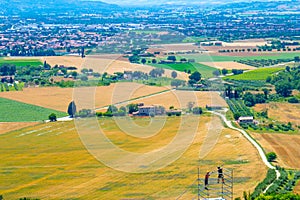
x: 128, y: 75
x: 146, y: 110
x: 246, y: 119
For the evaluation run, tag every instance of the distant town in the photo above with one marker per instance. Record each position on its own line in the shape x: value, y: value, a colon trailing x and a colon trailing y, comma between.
x: 49, y: 33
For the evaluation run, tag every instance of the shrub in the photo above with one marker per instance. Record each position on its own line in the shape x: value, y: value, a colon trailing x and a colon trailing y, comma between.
x: 85, y: 113
x: 197, y: 111
x: 271, y: 156
x: 236, y: 116
x: 99, y: 114
x: 52, y: 117
x: 107, y: 114
x: 152, y: 114
x: 293, y: 100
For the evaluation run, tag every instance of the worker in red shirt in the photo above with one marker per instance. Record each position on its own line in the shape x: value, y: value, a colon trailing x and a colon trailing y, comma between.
x: 206, y: 180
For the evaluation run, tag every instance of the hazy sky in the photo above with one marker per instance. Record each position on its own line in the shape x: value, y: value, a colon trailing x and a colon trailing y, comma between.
x: 157, y: 2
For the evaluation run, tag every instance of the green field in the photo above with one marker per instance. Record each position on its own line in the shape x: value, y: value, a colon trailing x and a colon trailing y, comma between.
x: 206, y: 71
x: 14, y: 111
x: 205, y: 57
x: 21, y: 62
x: 257, y: 74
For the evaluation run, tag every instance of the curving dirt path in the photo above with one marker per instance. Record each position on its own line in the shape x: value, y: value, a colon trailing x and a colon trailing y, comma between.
x: 253, y: 142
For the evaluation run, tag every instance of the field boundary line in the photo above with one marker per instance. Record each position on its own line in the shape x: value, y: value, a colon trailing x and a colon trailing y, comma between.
x: 137, y: 98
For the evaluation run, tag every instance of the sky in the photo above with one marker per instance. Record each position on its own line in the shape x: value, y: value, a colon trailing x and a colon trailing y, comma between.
x: 158, y: 2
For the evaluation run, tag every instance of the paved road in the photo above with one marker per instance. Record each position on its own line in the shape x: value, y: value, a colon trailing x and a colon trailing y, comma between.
x: 253, y: 142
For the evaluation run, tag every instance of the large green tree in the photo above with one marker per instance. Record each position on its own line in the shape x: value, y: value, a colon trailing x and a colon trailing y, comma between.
x: 72, y: 109
x: 174, y: 74
x: 195, y: 77
x: 132, y: 108
x: 283, y: 88
x: 249, y: 99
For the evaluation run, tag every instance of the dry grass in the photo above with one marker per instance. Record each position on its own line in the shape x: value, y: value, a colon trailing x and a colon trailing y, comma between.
x: 283, y: 112
x: 59, y: 98
x: 105, y: 63
x: 180, y: 99
x: 111, y: 66
x: 53, y: 98
x: 6, y: 127
x: 109, y: 63
x: 285, y: 146
x: 228, y: 65
x: 55, y: 165
x: 74, y: 61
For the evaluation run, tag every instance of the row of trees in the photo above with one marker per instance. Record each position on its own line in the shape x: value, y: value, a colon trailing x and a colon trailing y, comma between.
x: 259, y: 49
x: 112, y: 110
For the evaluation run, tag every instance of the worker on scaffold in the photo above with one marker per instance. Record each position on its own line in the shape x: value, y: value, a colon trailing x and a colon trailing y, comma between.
x: 206, y: 180
x: 220, y: 174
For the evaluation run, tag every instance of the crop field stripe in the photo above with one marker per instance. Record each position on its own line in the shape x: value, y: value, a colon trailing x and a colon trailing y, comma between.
x: 15, y: 111
x: 35, y: 131
x: 21, y: 62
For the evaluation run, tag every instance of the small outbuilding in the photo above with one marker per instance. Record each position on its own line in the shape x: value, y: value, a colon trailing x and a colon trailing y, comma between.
x: 246, y: 119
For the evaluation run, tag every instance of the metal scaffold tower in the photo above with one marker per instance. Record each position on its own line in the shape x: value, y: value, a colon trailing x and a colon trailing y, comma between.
x: 214, y: 185
x: 217, y: 187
